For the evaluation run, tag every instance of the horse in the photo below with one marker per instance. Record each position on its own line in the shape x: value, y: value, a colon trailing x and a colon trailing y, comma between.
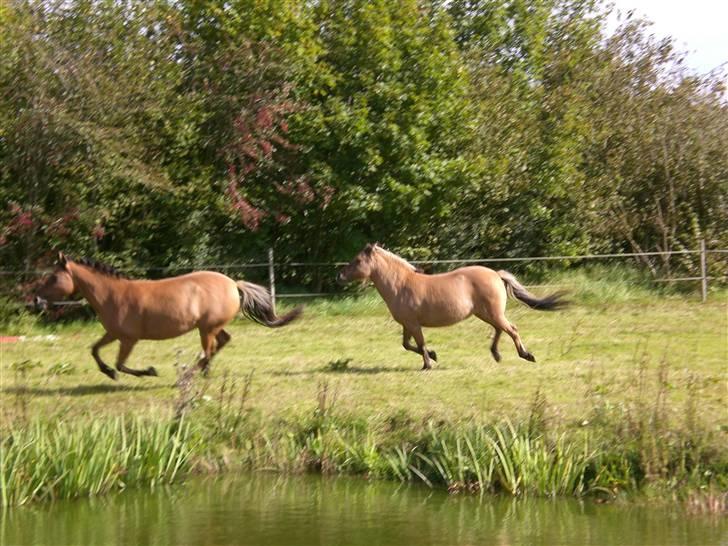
x: 415, y: 299
x: 132, y: 310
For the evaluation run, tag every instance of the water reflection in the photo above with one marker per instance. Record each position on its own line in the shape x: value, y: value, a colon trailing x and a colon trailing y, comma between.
x: 269, y: 509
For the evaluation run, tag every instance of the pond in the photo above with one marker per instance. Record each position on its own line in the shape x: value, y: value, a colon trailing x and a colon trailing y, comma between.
x: 271, y: 510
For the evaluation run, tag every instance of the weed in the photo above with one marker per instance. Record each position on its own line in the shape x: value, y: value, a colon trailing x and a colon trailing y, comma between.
x: 339, y: 365
x: 61, y: 368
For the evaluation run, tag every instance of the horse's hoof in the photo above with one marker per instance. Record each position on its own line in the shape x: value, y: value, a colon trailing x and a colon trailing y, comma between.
x: 426, y: 367
x: 111, y: 373
x: 151, y: 371
x: 433, y: 355
x: 529, y: 357
x: 496, y: 356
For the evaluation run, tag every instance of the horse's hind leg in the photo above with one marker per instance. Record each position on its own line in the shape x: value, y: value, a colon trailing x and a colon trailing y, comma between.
x: 485, y: 317
x: 512, y: 331
x: 212, y: 343
x: 222, y: 338
x: 494, y: 345
x: 406, y: 337
x: 124, y: 351
x: 105, y: 369
x: 208, y: 341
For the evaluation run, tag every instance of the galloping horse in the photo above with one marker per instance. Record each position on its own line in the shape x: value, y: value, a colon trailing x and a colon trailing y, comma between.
x: 416, y: 300
x: 131, y: 310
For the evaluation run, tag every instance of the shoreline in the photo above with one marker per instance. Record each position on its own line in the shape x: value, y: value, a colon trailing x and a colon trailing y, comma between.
x: 502, y: 459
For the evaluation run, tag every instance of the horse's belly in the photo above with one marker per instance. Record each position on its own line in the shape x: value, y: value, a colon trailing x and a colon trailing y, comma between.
x: 438, y: 321
x: 444, y: 315
x: 166, y: 328
x: 162, y: 321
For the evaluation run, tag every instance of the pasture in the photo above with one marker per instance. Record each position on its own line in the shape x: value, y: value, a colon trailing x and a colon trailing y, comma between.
x: 627, y: 351
x: 628, y: 395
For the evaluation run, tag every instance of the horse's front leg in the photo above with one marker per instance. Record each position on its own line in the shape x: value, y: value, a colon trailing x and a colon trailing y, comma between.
x: 406, y: 337
x: 124, y: 350
x: 421, y: 347
x: 105, y: 369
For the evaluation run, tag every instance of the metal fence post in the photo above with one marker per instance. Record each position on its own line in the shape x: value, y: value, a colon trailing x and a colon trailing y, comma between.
x: 272, y: 279
x: 703, y: 271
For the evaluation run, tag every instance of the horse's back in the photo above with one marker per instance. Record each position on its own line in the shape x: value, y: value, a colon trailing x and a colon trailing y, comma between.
x: 468, y: 271
x: 194, y: 277
x: 167, y: 307
x: 461, y: 278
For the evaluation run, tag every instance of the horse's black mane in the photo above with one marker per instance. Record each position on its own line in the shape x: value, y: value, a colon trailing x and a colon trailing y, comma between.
x: 101, y: 267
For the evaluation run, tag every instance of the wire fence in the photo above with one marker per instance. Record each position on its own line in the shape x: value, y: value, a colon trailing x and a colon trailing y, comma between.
x: 702, y: 252
x: 273, y: 268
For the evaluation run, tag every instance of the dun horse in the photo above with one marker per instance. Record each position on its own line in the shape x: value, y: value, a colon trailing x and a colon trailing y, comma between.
x: 416, y: 300
x: 131, y: 310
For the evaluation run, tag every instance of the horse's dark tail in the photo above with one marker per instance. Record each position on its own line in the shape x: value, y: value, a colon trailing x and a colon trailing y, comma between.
x: 516, y: 290
x: 257, y: 305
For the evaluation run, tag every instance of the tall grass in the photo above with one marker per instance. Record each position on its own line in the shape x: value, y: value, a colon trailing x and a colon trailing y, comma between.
x: 605, y: 283
x: 502, y: 458
x: 46, y: 461
x: 505, y: 458
x: 633, y: 448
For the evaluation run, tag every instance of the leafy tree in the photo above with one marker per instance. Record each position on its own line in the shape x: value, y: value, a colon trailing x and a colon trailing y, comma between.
x: 188, y: 132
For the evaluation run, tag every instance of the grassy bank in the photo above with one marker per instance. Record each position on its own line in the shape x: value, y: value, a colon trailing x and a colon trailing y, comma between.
x: 628, y: 396
x: 58, y: 460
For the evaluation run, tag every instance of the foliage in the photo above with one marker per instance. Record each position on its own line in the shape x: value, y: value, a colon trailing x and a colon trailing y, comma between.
x: 155, y: 134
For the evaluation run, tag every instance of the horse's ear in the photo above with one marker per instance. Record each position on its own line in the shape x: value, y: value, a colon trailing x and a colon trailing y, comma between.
x: 62, y: 260
x: 368, y: 249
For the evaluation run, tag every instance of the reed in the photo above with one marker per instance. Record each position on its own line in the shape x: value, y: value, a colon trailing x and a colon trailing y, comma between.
x: 634, y: 449
x: 502, y: 458
x: 46, y: 461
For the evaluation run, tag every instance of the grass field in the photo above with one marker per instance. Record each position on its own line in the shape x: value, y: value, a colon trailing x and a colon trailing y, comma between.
x: 613, y: 351
x: 610, y: 357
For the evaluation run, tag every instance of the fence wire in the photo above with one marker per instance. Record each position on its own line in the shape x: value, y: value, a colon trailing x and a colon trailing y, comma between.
x: 275, y: 268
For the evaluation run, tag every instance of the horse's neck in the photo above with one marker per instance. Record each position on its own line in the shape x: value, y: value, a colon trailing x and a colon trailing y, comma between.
x: 93, y: 286
x: 389, y: 276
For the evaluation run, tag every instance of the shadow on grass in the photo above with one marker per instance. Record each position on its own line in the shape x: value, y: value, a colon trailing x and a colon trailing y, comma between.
x: 355, y: 370
x: 81, y: 390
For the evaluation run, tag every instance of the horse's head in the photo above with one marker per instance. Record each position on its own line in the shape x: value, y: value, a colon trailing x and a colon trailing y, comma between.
x: 56, y: 286
x: 359, y: 268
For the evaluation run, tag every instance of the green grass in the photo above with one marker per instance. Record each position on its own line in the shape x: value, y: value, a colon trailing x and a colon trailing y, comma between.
x: 48, y: 461
x: 589, y: 351
x: 629, y: 390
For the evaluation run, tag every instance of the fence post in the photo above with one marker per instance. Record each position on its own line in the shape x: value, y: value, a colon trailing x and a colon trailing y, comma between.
x: 272, y: 279
x: 703, y: 271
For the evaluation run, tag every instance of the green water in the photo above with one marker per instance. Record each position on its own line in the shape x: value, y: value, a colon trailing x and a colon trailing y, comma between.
x: 270, y: 510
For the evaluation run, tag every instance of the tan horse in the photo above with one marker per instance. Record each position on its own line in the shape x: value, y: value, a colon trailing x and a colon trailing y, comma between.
x: 416, y: 300
x: 131, y: 310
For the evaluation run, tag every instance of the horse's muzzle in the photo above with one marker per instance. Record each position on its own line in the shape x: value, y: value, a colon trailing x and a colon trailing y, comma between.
x: 40, y: 304
x: 340, y: 279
